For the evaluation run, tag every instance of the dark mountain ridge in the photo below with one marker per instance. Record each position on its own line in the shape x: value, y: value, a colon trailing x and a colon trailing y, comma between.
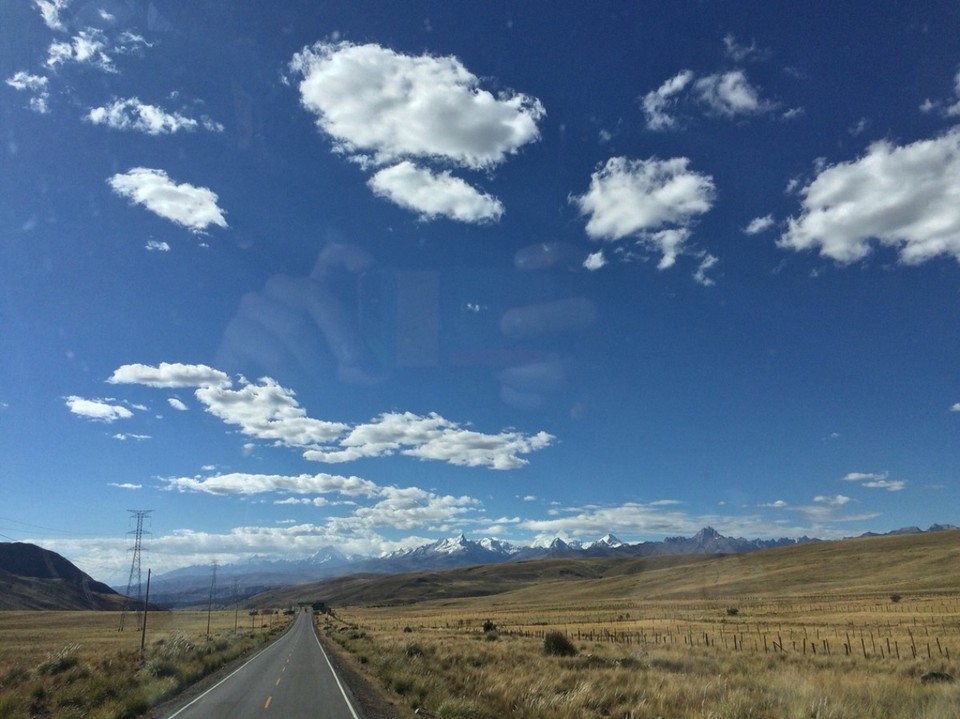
x: 32, y: 577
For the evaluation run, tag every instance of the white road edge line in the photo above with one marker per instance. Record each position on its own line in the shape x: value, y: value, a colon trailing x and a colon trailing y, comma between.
x: 332, y: 671
x: 187, y: 706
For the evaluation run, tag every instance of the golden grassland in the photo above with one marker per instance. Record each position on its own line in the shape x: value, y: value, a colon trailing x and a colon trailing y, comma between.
x: 77, y: 664
x: 830, y: 631
x: 776, y: 658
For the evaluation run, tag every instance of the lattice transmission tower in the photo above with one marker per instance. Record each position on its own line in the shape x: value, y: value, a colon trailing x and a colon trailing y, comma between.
x: 136, y: 579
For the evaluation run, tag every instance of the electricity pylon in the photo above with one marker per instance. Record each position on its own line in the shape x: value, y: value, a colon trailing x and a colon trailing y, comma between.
x: 139, y: 515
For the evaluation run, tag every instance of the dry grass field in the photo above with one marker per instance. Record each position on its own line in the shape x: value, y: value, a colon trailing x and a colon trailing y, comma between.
x: 829, y: 631
x: 76, y: 664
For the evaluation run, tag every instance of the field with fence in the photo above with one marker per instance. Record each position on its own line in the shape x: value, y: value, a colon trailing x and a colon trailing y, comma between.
x: 817, y: 633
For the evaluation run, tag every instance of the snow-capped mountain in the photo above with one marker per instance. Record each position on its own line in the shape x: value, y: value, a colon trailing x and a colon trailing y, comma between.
x: 192, y: 583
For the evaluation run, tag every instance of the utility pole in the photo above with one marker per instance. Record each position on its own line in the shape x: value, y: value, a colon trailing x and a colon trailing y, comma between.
x: 213, y: 590
x: 135, y: 575
x: 146, y: 604
x: 236, y: 604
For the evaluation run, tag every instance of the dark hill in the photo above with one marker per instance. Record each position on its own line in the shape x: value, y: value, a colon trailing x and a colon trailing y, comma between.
x: 35, y: 578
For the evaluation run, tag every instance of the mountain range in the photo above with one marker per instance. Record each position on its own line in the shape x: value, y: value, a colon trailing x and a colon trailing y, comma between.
x: 191, y: 585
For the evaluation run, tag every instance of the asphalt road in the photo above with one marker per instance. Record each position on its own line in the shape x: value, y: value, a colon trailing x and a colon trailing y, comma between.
x: 292, y: 678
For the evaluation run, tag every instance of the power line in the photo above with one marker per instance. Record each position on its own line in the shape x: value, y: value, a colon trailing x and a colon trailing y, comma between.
x: 139, y: 515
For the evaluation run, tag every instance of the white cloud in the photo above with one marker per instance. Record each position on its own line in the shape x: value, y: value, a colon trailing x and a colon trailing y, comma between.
x: 891, y: 485
x: 124, y: 436
x: 192, y: 207
x: 50, y: 11
x: 97, y: 409
x: 905, y: 197
x: 408, y: 508
x: 641, y: 199
x: 268, y: 411
x: 779, y: 504
x: 36, y: 85
x: 131, y: 114
x: 432, y: 437
x: 738, y: 53
x: 177, y: 404
x: 658, y: 103
x: 370, y: 99
x: 730, y: 94
x: 759, y: 224
x: 875, y: 481
x: 595, y: 260
x: 727, y: 94
x: 157, y: 246
x: 862, y: 476
x: 431, y: 194
x: 954, y: 109
x: 168, y: 374
x: 700, y: 275
x: 836, y: 501
x: 955, y: 407
x: 125, y: 485
x: 87, y: 47
x: 240, y: 483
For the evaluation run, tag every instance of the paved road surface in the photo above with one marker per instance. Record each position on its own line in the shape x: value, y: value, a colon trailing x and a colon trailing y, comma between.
x: 290, y: 679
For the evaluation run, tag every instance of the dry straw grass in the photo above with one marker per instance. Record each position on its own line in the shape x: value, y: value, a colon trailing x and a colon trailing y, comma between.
x: 76, y: 664
x: 809, y: 633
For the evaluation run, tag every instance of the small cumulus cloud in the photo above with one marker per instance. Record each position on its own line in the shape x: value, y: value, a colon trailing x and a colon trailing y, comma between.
x: 36, y: 85
x: 177, y: 404
x: 133, y: 115
x: 658, y: 104
x: 169, y: 374
x: 835, y: 501
x: 241, y: 483
x: 125, y: 485
x: 759, y: 224
x: 595, y: 260
x: 875, y: 481
x: 433, y: 194
x: 652, y: 202
x: 955, y: 407
x: 155, y: 246
x: 124, y: 436
x: 730, y: 94
x: 403, y: 113
x: 100, y: 410
x: 50, y: 12
x: 706, y: 264
x: 192, y: 207
x: 849, y: 207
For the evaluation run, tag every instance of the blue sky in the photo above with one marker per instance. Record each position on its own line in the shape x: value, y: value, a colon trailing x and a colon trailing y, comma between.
x: 371, y: 274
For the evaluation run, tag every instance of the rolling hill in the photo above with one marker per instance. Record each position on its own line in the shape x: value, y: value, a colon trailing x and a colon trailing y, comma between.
x: 909, y: 563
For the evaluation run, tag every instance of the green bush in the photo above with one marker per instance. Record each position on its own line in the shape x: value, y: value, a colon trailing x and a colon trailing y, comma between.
x: 557, y: 644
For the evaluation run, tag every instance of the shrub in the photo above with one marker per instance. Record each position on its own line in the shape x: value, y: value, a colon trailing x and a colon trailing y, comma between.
x: 460, y: 709
x: 61, y: 661
x: 895, y: 597
x: 732, y: 611
x: 558, y: 645
x: 489, y: 626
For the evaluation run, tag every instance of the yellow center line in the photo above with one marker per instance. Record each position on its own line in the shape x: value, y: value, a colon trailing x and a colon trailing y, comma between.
x: 266, y: 704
